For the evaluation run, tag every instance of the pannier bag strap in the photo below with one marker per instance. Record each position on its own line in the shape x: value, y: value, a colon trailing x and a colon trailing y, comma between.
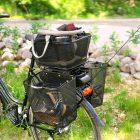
x: 45, y: 48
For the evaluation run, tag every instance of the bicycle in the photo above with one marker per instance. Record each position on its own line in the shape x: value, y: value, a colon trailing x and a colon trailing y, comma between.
x: 69, y: 90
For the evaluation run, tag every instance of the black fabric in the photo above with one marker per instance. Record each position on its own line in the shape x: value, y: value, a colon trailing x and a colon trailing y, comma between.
x: 63, y: 52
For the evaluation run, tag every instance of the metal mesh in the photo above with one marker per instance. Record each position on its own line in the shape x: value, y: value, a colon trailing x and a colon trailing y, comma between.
x: 51, y: 99
x: 98, y: 74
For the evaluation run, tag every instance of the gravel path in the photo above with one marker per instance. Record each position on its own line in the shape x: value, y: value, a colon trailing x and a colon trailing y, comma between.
x: 106, y: 27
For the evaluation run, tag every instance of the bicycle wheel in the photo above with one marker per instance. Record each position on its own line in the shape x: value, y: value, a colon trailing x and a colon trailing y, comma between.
x: 83, y: 128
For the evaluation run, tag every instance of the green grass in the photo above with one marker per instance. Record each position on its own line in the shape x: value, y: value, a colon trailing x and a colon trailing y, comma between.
x: 14, y: 81
x: 120, y: 111
x: 11, y: 132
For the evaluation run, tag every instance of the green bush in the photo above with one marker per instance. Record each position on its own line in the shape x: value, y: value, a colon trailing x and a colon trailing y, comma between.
x: 70, y: 8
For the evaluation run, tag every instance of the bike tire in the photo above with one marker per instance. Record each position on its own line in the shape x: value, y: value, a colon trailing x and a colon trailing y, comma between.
x: 89, y: 110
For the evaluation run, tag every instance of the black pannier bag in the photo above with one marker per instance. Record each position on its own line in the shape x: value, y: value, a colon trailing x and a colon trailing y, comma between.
x: 98, y: 76
x: 53, y: 99
x: 64, y: 52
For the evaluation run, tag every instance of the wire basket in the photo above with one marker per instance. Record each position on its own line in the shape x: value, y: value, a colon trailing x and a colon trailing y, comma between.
x: 53, y: 98
x: 98, y: 75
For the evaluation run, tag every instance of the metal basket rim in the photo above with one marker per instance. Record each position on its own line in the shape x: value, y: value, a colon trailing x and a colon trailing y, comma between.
x: 51, y: 88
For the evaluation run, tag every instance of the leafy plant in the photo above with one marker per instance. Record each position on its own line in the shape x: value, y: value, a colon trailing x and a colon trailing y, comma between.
x: 105, y: 51
x: 15, y: 46
x: 115, y: 41
x: 95, y: 36
x: 126, y: 52
x: 135, y: 37
x: 12, y: 32
x: 36, y: 26
x: 15, y: 35
x: 5, y: 31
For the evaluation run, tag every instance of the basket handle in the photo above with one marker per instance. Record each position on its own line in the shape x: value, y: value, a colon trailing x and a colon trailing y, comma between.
x: 44, y: 51
x: 47, y: 41
x: 59, y: 33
